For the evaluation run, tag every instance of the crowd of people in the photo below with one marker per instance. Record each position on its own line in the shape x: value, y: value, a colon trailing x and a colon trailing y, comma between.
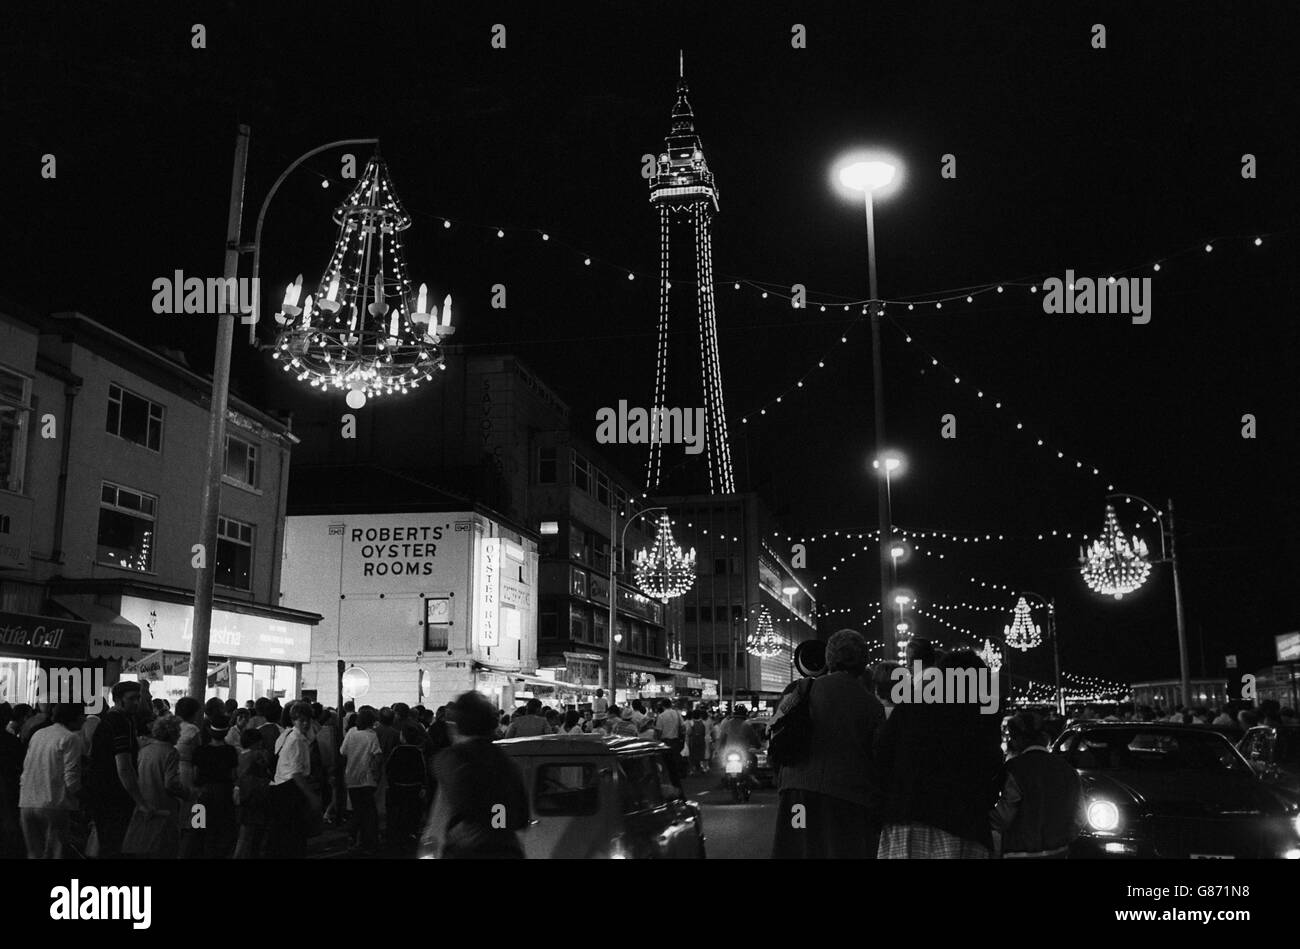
x: 144, y: 779
x: 936, y: 780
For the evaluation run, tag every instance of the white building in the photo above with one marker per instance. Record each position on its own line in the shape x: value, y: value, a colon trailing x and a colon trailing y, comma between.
x: 416, y: 608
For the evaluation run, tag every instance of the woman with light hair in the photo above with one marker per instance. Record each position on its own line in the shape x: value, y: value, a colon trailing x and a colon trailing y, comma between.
x: 154, y: 832
x: 827, y: 794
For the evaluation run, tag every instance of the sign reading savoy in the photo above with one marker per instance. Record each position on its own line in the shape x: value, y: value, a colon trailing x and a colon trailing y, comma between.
x: 397, y: 551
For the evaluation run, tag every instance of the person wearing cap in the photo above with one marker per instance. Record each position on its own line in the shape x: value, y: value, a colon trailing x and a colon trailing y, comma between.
x: 826, y: 798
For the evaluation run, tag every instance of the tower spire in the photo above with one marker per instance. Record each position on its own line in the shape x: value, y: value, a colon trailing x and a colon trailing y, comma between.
x: 681, y: 65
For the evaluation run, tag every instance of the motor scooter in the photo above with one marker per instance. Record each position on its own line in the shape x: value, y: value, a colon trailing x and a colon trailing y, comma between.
x: 737, y: 768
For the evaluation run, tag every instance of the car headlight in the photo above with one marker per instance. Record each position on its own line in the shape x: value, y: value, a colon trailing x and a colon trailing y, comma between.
x: 618, y: 850
x: 1103, y: 815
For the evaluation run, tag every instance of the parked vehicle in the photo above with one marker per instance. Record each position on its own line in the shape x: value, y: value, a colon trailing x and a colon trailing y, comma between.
x: 1274, y: 753
x: 1164, y: 790
x: 594, y: 796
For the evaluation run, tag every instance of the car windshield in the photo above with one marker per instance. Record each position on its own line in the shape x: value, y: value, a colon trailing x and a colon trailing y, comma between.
x: 1140, y: 750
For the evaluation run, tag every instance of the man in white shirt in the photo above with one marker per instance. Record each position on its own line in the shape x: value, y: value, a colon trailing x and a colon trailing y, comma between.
x: 50, y: 783
x: 599, y: 706
x: 672, y: 732
x: 362, y: 759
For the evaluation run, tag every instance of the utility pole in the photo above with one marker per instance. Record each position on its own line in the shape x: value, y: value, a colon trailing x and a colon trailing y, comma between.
x: 1184, y: 665
x: 207, y: 574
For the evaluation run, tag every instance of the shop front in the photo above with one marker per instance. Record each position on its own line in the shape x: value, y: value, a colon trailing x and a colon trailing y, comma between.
x: 29, y: 644
x: 251, y: 654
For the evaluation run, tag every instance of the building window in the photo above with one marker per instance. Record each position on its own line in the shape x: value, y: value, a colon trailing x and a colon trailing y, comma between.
x: 578, y: 623
x: 581, y: 474
x: 602, y: 488
x: 550, y: 624
x: 720, y: 565
x: 600, y: 623
x: 126, y: 528
x: 737, y: 613
x: 547, y: 465
x: 720, y: 613
x: 241, y: 461
x: 134, y: 418
x: 234, y: 554
x: 15, y: 407
x: 578, y: 547
x: 578, y: 582
x: 690, y: 614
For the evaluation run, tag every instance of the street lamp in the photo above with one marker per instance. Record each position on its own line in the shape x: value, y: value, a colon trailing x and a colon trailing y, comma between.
x: 1168, y: 554
x: 859, y: 176
x: 614, y: 637
x: 1050, y: 604
x: 204, y: 584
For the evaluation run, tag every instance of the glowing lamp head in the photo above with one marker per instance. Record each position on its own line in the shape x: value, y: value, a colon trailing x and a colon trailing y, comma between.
x: 875, y: 173
x: 867, y: 175
x: 789, y: 589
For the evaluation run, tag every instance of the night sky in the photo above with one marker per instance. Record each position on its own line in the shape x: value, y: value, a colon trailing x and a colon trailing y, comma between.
x: 1100, y: 161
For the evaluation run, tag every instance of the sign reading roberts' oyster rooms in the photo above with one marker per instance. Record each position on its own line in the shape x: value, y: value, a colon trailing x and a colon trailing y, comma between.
x: 392, y: 553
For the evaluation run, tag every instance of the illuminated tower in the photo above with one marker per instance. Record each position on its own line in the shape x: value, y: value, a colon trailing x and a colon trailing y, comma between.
x: 682, y: 189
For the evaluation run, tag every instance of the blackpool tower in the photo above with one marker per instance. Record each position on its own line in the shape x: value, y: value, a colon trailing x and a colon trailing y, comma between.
x: 683, y: 191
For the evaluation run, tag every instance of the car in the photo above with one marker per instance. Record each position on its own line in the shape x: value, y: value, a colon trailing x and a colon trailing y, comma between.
x: 1153, y: 789
x: 597, y: 796
x: 1274, y: 752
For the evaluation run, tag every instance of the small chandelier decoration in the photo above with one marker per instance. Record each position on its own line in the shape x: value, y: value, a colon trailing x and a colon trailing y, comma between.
x: 765, y: 644
x: 991, y: 655
x: 663, y: 571
x: 1114, y: 564
x: 1022, y: 634
x: 364, y: 331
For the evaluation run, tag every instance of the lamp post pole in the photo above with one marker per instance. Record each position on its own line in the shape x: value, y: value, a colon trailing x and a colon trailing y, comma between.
x: 883, y: 513
x: 1169, y: 554
x: 613, y: 583
x: 1050, y: 604
x: 205, y: 581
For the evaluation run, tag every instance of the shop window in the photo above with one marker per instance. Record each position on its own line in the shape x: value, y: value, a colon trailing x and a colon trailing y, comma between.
x: 547, y: 465
x: 241, y: 461
x: 126, y: 528
x: 134, y: 418
x: 15, y: 409
x: 578, y: 582
x: 234, y: 554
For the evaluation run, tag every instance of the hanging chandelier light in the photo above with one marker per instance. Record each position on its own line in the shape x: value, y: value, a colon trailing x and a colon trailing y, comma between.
x: 1114, y: 564
x: 1022, y: 634
x: 991, y: 655
x: 364, y: 331
x: 663, y: 571
x: 765, y: 644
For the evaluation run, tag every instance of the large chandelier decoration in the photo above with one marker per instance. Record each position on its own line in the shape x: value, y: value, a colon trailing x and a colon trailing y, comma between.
x: 364, y: 331
x: 991, y: 655
x: 765, y: 644
x: 663, y: 571
x: 1115, y: 564
x: 1022, y: 634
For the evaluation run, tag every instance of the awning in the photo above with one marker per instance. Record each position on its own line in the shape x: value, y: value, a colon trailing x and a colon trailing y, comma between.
x: 111, y: 636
